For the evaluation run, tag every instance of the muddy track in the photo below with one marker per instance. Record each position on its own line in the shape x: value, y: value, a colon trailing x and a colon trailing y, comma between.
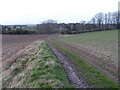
x: 74, y: 77
x: 93, y: 61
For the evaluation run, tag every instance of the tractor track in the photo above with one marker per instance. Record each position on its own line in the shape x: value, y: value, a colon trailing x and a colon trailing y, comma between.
x: 74, y: 77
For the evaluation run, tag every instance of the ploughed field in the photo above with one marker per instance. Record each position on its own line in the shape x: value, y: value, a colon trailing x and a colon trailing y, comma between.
x: 11, y: 44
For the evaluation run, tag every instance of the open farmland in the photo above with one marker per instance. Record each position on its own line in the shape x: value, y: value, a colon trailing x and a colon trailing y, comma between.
x: 81, y: 60
x: 101, y: 44
x: 15, y: 44
x: 99, y: 49
x: 37, y: 67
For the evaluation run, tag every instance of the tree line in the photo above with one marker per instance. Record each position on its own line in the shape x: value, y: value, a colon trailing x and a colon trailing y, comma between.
x: 101, y: 21
x: 15, y: 29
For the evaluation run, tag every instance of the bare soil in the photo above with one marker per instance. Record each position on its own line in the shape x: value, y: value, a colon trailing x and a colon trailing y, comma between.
x: 14, y: 45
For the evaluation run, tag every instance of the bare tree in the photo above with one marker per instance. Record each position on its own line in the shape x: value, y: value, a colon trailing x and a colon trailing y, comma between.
x: 100, y: 19
x: 114, y: 19
x: 93, y: 23
x: 106, y: 20
x: 109, y: 20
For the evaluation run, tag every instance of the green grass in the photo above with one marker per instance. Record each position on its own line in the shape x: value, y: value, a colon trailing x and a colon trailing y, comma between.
x: 104, y: 41
x: 103, y: 44
x: 54, y: 73
x: 42, y: 70
x: 91, y: 75
x: 107, y: 69
x: 97, y: 36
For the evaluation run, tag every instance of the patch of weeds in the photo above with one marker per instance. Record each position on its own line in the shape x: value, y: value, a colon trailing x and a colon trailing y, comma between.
x: 15, y: 71
x: 49, y: 76
x: 33, y: 58
x: 41, y: 85
x: 35, y: 75
x: 47, y: 66
x: 19, y: 78
x: 24, y: 63
x: 6, y: 80
x: 41, y: 62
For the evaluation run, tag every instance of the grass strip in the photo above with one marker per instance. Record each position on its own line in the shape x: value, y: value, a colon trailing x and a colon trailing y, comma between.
x: 41, y: 70
x: 48, y: 73
x: 107, y: 69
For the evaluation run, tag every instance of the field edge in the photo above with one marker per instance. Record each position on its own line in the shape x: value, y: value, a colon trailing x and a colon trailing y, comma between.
x: 98, y: 81
x: 38, y: 67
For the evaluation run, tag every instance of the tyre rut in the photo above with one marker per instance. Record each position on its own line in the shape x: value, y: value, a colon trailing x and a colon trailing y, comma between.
x: 69, y: 69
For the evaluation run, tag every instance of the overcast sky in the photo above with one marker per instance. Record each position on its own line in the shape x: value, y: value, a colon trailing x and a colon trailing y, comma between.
x: 67, y: 11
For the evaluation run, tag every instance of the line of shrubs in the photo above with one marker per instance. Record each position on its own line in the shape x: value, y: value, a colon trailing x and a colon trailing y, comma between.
x: 17, y: 32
